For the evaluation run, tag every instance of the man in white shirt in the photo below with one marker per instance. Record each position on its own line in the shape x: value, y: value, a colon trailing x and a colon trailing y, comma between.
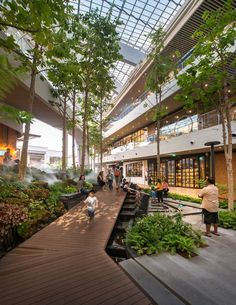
x: 210, y: 205
x: 92, y: 203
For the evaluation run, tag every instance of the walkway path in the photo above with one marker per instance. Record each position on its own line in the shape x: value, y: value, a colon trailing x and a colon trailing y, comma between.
x: 206, y: 279
x: 65, y: 263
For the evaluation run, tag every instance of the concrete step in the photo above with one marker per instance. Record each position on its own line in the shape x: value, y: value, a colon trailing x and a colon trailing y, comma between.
x: 129, y: 201
x: 128, y: 207
x: 154, y: 288
x: 195, y: 280
x: 127, y: 214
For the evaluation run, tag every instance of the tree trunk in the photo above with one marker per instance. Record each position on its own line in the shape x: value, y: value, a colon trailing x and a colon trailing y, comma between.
x: 101, y: 146
x: 64, y: 140
x: 158, y: 124
x: 87, y: 148
x: 228, y: 152
x: 228, y: 146
x: 73, y: 133
x: 24, y: 152
x: 94, y: 159
x: 84, y: 137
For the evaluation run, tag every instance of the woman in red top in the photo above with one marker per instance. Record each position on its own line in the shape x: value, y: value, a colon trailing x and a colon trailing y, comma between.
x: 165, y: 188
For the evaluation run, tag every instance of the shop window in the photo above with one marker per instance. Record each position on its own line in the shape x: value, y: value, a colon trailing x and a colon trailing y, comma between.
x: 182, y: 172
x: 171, y: 172
x: 134, y: 169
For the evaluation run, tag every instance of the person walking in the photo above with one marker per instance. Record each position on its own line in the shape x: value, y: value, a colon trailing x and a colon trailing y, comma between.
x: 92, y: 203
x: 100, y: 180
x: 159, y: 190
x: 165, y: 188
x: 210, y: 205
x: 117, y: 177
x: 110, y: 179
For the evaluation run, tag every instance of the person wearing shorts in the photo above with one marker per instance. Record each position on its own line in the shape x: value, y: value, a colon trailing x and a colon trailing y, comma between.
x: 92, y: 203
x: 210, y: 205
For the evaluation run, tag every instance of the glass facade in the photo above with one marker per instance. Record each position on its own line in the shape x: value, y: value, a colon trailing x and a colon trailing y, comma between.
x: 134, y: 169
x: 183, y: 125
x: 135, y: 138
x: 181, y: 171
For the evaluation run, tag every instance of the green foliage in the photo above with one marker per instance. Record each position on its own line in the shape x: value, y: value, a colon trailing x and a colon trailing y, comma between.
x: 158, y: 233
x: 88, y: 185
x: 44, y: 20
x: 223, y: 203
x: 6, y: 76
x: 11, y: 215
x: 202, y: 183
x: 184, y: 198
x: 163, y: 69
x: 11, y: 113
x: 208, y: 82
x: 227, y: 219
x: 211, y: 54
x: 28, y: 206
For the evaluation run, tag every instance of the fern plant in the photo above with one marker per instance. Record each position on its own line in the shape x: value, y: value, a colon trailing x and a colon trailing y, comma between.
x: 159, y: 233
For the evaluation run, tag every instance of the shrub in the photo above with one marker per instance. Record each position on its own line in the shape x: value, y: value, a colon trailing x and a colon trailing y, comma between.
x: 158, y: 233
x: 88, y: 185
x: 184, y: 198
x: 10, y: 216
x: 227, y: 219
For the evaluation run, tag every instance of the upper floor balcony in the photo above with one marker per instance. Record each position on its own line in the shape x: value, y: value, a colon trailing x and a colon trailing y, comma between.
x: 184, y: 144
x: 188, y: 126
x: 144, y: 102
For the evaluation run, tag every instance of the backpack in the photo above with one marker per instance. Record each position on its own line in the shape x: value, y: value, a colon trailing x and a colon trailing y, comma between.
x: 117, y: 173
x: 109, y: 177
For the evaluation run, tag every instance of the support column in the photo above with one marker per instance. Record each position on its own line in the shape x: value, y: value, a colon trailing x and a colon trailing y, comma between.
x: 212, y: 157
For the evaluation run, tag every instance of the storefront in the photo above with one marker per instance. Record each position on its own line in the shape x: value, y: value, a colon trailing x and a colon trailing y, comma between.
x: 136, y: 171
x: 181, y: 171
x: 8, y: 138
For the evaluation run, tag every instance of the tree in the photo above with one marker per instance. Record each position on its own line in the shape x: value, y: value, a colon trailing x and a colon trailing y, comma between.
x: 7, y: 76
x: 94, y: 132
x: 208, y: 81
x: 43, y: 17
x: 162, y: 71
x: 105, y: 87
x: 98, y: 45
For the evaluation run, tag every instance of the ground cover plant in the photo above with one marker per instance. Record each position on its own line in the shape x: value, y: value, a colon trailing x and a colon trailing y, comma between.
x: 158, y: 233
x: 28, y: 207
x: 227, y: 219
x: 223, y: 203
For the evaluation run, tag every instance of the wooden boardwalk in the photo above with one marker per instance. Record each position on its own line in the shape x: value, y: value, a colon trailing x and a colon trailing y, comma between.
x: 66, y: 263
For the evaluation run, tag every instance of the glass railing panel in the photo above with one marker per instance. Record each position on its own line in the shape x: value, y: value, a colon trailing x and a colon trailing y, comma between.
x: 184, y: 126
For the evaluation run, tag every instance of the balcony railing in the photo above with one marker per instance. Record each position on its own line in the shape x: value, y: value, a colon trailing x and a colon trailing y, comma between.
x: 145, y: 94
x: 184, y: 125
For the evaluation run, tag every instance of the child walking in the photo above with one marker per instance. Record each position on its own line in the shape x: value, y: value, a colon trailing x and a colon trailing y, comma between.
x: 92, y: 203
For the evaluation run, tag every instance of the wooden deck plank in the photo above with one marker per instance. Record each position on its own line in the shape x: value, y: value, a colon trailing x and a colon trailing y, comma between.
x: 65, y: 263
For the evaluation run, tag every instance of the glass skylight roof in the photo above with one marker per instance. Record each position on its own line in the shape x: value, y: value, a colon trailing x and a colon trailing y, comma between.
x: 139, y: 18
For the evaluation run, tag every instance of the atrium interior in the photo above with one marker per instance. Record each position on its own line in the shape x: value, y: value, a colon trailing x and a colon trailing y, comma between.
x: 117, y: 152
